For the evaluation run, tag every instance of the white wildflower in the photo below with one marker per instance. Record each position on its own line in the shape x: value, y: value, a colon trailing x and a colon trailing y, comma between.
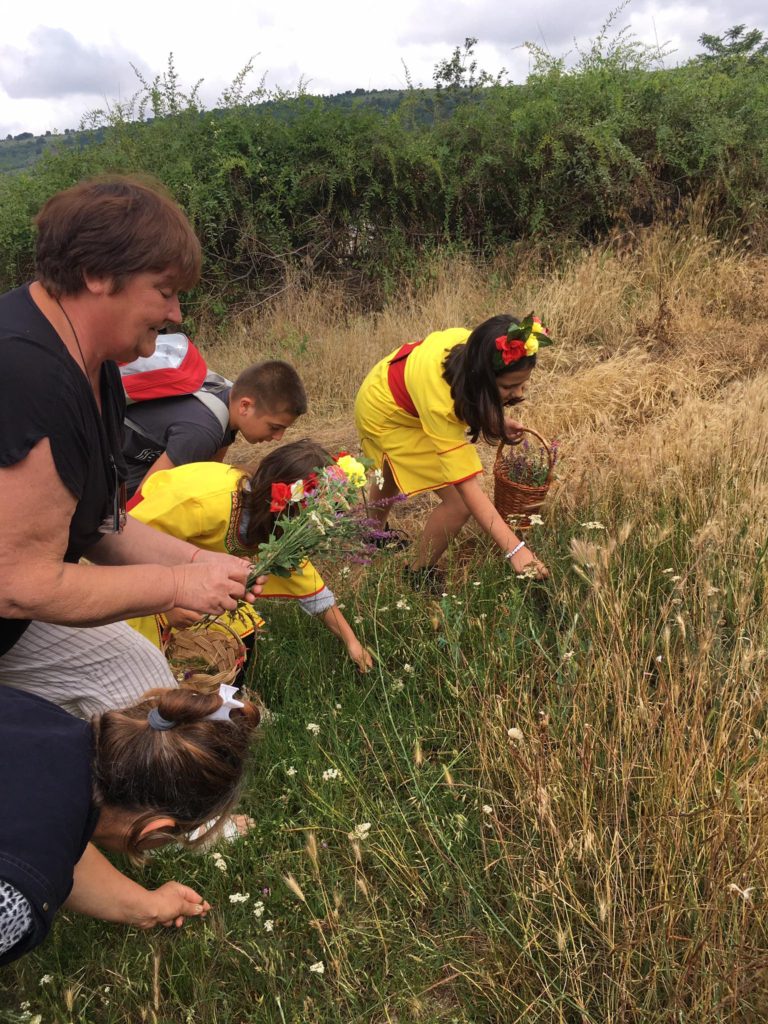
x: 669, y: 569
x: 378, y: 478
x: 593, y: 525
x: 318, y: 522
x: 407, y: 667
x: 331, y: 773
x: 360, y: 831
x: 398, y: 686
x: 218, y: 861
x: 313, y: 727
x: 357, y: 620
x: 568, y: 655
x: 487, y: 809
x: 515, y: 734
x: 46, y: 979
x: 290, y: 772
x: 239, y: 897
x: 659, y: 658
x: 743, y: 894
x: 269, y: 926
x: 403, y: 606
x: 675, y: 579
x: 476, y: 583
x: 535, y: 520
x: 25, y: 1005
x: 318, y: 967
x: 337, y: 706
x: 258, y: 908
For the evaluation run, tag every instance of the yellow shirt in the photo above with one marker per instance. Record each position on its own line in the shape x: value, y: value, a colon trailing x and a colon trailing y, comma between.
x: 201, y: 503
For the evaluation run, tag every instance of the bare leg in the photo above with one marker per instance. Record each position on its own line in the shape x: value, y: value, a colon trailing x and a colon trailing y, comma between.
x: 376, y: 494
x: 442, y: 525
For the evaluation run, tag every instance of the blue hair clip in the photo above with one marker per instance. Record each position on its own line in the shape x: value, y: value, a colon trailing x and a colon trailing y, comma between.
x: 157, y: 721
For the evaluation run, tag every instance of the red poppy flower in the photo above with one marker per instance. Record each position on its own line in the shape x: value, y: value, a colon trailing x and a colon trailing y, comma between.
x: 281, y: 495
x: 511, y: 349
x: 310, y: 484
x: 339, y: 455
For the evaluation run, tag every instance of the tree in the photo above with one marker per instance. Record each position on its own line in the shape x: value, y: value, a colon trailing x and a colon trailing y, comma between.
x: 734, y: 44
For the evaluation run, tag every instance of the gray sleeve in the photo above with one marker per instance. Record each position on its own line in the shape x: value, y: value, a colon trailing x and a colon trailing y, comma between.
x: 194, y: 440
x: 316, y: 604
x: 15, y: 916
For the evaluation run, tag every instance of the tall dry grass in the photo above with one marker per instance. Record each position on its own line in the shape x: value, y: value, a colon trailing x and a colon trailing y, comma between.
x: 629, y: 840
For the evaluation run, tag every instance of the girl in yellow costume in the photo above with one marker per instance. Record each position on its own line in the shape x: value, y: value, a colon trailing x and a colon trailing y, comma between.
x: 419, y: 412
x: 223, y: 508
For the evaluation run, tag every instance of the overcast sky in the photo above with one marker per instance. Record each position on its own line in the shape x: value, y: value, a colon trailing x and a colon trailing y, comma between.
x: 58, y: 61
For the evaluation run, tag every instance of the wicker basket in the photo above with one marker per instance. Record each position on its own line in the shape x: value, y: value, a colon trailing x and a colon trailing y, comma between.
x: 205, y: 655
x: 517, y: 501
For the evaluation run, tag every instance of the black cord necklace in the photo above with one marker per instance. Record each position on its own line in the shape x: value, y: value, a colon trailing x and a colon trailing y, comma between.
x: 74, y: 335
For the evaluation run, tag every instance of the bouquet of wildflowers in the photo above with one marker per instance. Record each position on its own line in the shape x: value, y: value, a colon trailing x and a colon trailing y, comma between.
x: 530, y: 463
x: 317, y: 515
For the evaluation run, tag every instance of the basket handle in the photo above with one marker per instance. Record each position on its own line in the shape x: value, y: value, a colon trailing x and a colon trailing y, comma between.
x: 544, y: 443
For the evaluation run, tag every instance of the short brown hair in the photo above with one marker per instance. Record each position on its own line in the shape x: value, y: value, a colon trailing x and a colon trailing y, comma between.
x: 274, y: 386
x: 113, y: 227
x: 190, y: 773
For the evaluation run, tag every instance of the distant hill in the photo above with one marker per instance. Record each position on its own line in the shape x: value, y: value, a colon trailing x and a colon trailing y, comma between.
x: 19, y: 152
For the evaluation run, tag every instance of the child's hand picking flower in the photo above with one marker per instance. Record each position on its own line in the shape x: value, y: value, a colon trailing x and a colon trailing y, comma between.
x: 360, y: 655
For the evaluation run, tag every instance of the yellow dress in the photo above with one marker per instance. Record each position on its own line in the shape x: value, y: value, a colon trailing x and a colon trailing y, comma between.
x: 424, y: 452
x: 201, y: 503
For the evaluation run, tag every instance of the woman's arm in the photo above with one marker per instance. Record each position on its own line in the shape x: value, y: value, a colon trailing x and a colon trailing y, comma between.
x: 489, y: 519
x: 101, y: 891
x: 338, y: 625
x: 35, y: 514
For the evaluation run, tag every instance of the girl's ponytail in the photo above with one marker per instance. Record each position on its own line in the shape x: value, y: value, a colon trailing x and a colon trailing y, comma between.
x: 188, y: 768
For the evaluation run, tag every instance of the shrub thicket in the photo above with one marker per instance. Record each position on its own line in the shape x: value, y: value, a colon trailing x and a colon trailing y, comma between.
x: 302, y: 184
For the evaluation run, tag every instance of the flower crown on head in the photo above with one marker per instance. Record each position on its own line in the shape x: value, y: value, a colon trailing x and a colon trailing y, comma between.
x: 521, y: 340
x: 345, y: 469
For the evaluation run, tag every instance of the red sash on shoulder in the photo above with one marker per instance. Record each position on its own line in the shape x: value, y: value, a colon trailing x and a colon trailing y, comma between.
x: 396, y: 378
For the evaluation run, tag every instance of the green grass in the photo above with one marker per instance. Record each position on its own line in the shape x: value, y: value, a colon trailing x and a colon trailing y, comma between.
x: 593, y: 868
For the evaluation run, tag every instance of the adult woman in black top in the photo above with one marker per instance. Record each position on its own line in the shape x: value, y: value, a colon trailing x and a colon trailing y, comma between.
x: 112, y: 255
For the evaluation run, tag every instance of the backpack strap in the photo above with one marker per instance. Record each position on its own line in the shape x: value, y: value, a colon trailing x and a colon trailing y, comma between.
x: 215, y: 404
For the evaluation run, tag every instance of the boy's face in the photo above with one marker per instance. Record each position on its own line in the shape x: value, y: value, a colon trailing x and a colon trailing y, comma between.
x: 255, y: 424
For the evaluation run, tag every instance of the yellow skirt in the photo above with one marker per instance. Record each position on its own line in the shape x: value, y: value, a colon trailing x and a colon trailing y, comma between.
x: 388, y: 434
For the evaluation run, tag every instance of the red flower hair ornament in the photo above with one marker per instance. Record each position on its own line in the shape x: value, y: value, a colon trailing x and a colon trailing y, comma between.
x: 521, y: 340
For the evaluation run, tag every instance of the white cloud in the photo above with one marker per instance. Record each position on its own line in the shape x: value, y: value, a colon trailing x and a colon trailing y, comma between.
x: 80, y: 58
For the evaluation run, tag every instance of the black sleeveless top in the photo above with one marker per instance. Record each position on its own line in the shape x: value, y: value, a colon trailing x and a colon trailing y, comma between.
x: 44, y: 393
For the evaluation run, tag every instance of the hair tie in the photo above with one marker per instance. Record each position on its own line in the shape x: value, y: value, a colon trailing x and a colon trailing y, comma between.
x: 156, y: 721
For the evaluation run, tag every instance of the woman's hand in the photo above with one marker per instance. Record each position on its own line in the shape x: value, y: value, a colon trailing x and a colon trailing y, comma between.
x: 360, y: 655
x: 171, y: 904
x: 216, y: 557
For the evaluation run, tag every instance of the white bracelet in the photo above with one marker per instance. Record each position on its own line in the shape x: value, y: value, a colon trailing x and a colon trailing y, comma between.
x: 515, y: 549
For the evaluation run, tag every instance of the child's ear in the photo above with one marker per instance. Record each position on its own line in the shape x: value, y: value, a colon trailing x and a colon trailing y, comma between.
x: 157, y: 824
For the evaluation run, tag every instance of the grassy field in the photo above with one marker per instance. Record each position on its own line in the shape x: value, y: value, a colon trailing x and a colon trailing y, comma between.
x: 551, y: 801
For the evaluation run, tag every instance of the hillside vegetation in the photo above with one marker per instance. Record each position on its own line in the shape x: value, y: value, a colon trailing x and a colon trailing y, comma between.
x: 305, y: 186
